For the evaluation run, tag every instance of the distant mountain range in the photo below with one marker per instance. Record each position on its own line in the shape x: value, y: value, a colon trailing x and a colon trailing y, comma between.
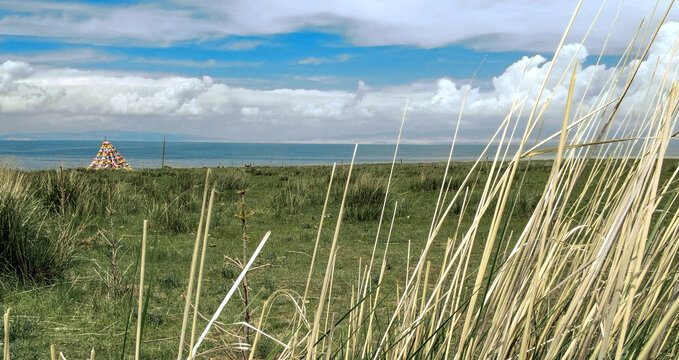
x: 100, y: 135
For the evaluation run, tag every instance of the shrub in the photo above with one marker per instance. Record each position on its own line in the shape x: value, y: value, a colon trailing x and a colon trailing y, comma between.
x: 155, y: 318
x: 455, y: 181
x: 260, y: 171
x: 431, y: 180
x: 269, y: 286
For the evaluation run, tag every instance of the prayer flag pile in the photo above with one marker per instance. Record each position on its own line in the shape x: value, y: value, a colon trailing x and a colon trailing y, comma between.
x: 109, y: 158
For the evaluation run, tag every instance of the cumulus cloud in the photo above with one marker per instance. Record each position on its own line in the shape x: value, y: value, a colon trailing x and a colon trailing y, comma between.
x: 10, y: 72
x: 62, y: 99
x: 249, y: 111
x: 490, y: 25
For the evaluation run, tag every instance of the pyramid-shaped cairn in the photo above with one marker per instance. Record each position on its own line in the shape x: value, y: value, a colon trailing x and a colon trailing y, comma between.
x: 109, y: 158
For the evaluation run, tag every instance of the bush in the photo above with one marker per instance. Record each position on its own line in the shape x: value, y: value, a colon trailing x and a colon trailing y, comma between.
x: 29, y: 248
x: 261, y: 171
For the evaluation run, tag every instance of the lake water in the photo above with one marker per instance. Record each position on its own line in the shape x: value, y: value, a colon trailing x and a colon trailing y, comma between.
x: 34, y: 154
x: 43, y: 154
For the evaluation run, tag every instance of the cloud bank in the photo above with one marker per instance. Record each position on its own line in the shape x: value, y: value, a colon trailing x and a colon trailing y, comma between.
x: 490, y: 25
x: 62, y: 99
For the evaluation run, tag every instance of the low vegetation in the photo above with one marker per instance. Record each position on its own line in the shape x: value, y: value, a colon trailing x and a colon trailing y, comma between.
x: 287, y: 200
x: 507, y: 258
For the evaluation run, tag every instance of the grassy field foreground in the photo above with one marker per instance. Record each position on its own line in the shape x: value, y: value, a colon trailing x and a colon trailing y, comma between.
x: 576, y: 258
x: 77, y: 301
x: 83, y: 307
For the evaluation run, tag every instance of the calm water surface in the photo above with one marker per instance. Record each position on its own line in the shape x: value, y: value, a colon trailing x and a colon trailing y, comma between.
x: 36, y: 154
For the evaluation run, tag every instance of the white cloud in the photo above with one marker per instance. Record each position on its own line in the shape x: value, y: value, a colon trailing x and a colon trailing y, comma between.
x: 312, y: 61
x: 242, y: 45
x: 325, y: 60
x: 210, y: 63
x: 249, y: 111
x: 343, y: 57
x: 489, y: 25
x: 64, y: 57
x: 10, y: 72
x: 318, y: 78
x: 62, y: 99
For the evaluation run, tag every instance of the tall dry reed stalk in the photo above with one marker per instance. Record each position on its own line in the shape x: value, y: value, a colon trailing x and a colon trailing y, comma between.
x: 5, y: 346
x: 593, y: 274
x: 140, y: 305
x: 192, y: 271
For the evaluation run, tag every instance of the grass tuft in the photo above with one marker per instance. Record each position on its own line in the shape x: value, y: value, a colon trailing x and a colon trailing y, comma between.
x: 365, y: 197
x: 31, y: 246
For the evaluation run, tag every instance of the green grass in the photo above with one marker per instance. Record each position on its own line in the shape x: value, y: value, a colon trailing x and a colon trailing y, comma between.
x: 76, y: 312
x: 528, y: 263
x: 36, y: 245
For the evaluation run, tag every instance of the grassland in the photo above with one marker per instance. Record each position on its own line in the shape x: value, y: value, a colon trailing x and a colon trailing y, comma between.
x: 77, y: 310
x: 82, y: 307
x: 572, y: 258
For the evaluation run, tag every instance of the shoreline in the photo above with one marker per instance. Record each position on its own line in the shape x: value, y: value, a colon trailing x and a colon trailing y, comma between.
x: 254, y: 166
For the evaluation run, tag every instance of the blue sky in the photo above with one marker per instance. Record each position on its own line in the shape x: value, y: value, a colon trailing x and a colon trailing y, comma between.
x: 287, y: 63
x: 304, y: 59
x: 309, y: 58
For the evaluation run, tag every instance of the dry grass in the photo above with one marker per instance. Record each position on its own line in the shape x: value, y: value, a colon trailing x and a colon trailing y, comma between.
x: 593, y: 274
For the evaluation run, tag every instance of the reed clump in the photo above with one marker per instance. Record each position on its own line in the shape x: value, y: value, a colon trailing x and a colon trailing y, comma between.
x: 592, y: 274
x: 231, y: 180
x: 33, y: 246
x: 65, y: 191
x: 364, y: 197
x: 174, y: 214
x: 292, y: 197
x: 427, y: 181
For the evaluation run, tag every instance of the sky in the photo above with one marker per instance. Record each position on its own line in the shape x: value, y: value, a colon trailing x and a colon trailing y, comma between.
x: 299, y: 71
